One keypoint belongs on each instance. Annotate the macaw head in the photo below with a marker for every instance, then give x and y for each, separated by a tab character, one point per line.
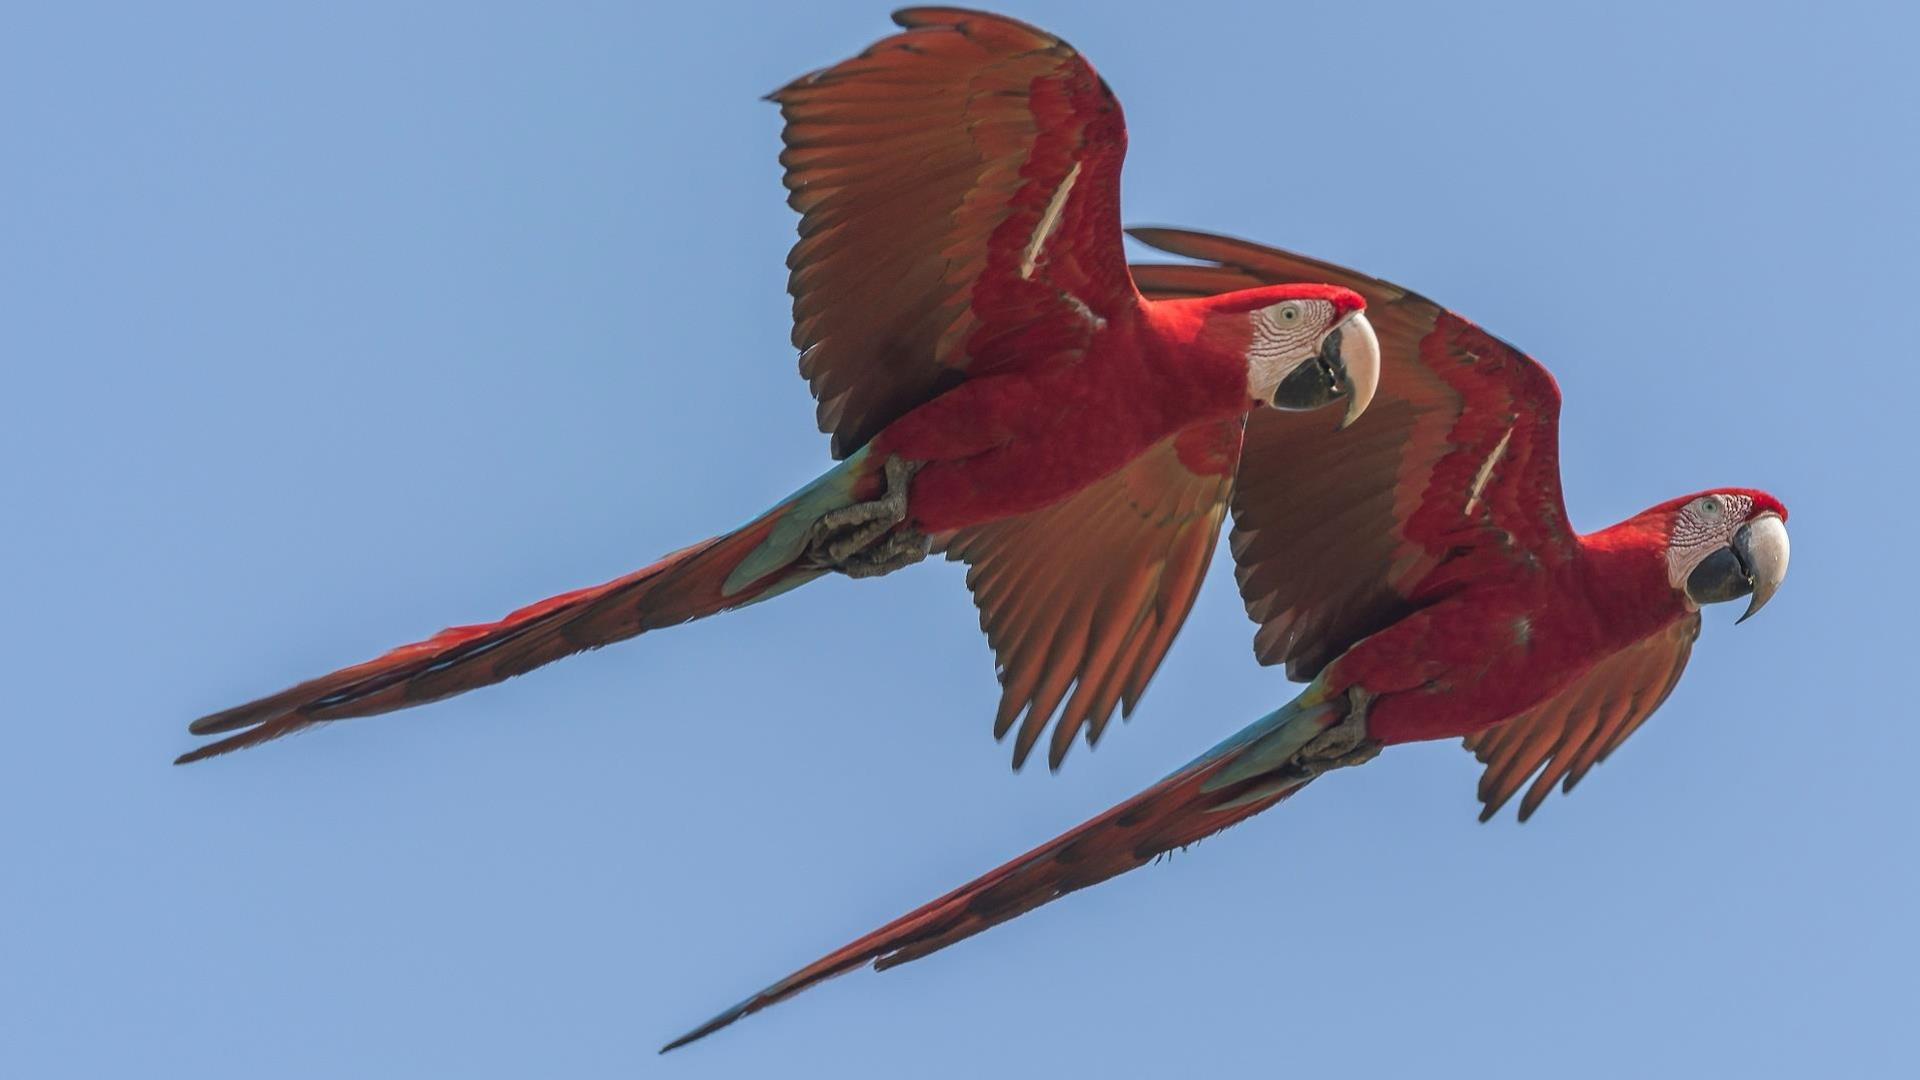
1309	345
1723	545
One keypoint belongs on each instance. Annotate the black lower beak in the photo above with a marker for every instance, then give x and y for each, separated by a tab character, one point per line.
1315	383
1727	574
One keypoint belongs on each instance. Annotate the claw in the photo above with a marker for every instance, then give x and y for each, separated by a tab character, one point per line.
1345	743
863	540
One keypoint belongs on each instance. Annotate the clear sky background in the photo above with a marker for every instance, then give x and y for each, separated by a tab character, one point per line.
325	328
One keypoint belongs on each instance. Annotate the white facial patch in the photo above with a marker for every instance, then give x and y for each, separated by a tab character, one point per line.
1285	335
1703	526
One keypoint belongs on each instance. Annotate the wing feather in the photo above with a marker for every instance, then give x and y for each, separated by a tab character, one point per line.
1081	600
1558	741
1336	537
924	169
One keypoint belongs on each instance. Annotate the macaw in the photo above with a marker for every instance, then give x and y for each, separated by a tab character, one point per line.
996	388
1421	575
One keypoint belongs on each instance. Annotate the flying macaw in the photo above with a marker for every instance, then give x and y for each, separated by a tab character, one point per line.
995	385
1422	574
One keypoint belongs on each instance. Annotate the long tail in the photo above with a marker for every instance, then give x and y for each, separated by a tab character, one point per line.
1230	783
752	563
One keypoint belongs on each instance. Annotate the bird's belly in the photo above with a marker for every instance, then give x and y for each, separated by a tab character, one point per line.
1470	699
1463	666
1020	477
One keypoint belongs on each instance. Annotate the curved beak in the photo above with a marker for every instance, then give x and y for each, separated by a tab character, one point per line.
1359	353
1762	545
1753	564
1347	365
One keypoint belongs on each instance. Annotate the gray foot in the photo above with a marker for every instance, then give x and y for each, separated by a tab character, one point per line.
863	540
901	547
1345	743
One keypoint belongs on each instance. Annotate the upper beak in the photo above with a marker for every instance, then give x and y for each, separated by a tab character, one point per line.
1359	361
1348	364
1761	545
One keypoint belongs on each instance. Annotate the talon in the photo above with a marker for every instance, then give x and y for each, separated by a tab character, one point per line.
863	540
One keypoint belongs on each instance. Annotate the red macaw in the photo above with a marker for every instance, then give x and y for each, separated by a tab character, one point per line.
1422	574
994	382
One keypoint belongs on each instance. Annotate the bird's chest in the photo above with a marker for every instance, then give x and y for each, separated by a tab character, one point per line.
1087	421
1020	440
1091	425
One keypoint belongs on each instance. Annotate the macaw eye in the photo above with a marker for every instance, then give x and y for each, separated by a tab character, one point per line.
1710	507
1289	313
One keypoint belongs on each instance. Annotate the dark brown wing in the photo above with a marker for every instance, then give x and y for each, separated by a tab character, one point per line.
959	188
1337	535
1576	729
1087	594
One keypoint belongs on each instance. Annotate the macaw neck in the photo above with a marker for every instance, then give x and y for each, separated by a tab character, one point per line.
1623	571
1198	356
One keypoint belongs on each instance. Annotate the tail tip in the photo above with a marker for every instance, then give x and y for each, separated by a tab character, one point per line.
723	1019
700	1032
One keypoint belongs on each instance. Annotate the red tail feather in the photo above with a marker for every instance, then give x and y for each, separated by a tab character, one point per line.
686	585
1235	781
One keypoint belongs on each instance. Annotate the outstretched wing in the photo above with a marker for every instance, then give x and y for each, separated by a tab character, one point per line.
1575	730
1086	595
1338	536
959	191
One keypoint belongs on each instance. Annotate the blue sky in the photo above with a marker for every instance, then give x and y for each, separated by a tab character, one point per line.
326	328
